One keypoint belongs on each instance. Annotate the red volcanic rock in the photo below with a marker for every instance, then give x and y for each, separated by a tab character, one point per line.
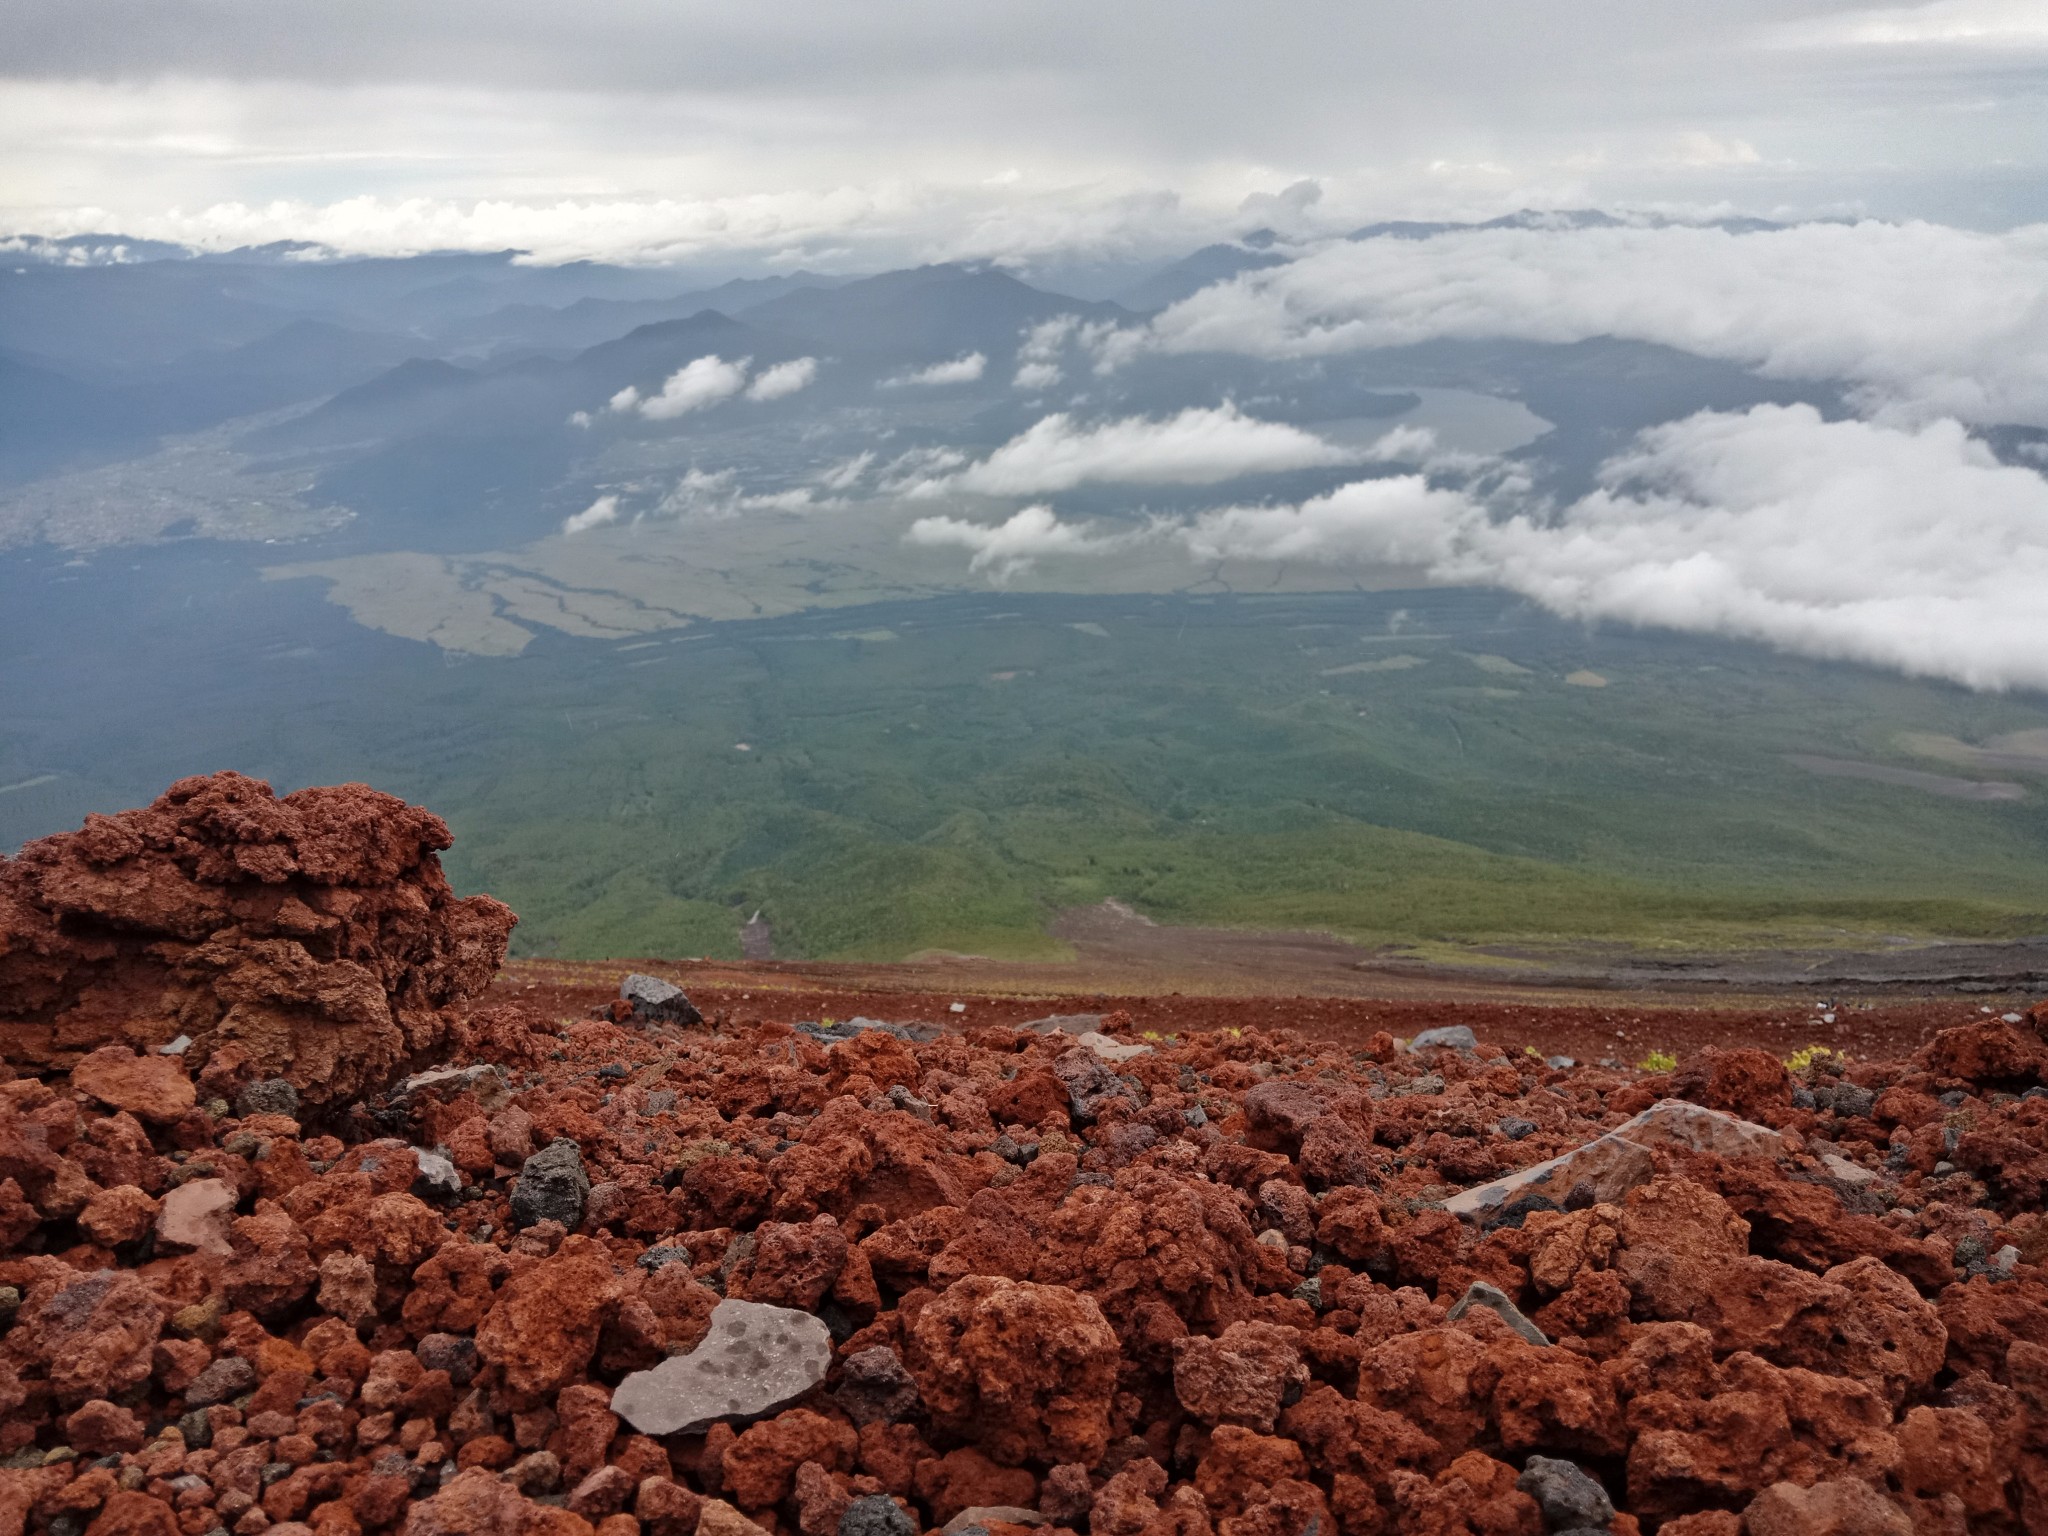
88	1336
1747	1082
1843	1507
1987	1052
1214	1302
152	1088
1242	1377
1025	1371
476	1503
542	1328
311	938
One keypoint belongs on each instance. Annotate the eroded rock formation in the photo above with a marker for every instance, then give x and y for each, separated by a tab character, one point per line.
311	938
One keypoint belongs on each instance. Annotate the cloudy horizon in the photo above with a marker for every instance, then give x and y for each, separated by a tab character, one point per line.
915	132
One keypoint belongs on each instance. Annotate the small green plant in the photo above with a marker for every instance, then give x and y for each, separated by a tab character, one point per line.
1148	1034
1658	1061
1803	1058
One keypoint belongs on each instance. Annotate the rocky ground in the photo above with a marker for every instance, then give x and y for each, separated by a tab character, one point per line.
643	1273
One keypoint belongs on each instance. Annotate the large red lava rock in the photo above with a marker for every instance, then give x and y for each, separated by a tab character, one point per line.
311	938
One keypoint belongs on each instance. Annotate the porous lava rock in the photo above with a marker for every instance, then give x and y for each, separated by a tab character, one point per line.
1206	1284
1026	1371
311	937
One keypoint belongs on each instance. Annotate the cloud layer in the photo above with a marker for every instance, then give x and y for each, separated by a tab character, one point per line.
1911	548
960	370
1925	319
1195	447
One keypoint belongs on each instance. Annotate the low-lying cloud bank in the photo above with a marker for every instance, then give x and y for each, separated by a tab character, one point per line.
1923	319
1907	547
1194	447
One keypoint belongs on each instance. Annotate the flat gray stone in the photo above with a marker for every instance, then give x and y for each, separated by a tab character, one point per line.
1448	1037
1619	1161
658	1001
437	1178
876	1514
755	1359
1495	1300
552	1186
1064	1024
268	1096
485	1079
1569	1497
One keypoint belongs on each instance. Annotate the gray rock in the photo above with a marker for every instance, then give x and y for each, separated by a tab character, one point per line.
755	1359
552	1186
902	1098
1064	1024
847	1029
229	1376
177	1047
658	1002
978	1516
197	1428
1612	1165
660	1102
874	1388
1089	1082
1449	1037
449	1352
876	1514
1569	1497
437	1178
1853	1102
485	1079
1495	1300
1515	1127
1560	1063
268	1096
656	1258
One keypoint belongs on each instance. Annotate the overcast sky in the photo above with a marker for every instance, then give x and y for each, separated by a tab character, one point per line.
920	128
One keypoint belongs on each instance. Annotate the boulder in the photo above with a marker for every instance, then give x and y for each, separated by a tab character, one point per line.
755	1359
1619	1161
654	1001
311	938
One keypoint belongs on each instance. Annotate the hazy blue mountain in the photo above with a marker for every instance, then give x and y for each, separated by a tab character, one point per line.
589	321
922	314
1191	274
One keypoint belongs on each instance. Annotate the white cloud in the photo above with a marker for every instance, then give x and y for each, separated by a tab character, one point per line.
1969	22
783	379
1037	375
1400	520
919	465
847	473
698	383
624	400
601	511
1009	548
1196	447
1910	548
716	493
960	370
1927	320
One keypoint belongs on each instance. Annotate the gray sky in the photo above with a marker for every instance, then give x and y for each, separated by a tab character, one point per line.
911	128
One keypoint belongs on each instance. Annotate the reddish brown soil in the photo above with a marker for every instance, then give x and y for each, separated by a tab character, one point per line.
1587	1025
